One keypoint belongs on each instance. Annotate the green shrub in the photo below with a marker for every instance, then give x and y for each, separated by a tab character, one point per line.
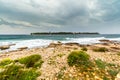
38	64
84	49
78	58
101	49
100	64
10	73
5	62
15	72
30	61
28	74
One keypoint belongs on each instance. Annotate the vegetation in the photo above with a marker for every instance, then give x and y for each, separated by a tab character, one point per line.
78	58
5	62
101	49
84	49
97	69
31	61
100	64
118	53
15	70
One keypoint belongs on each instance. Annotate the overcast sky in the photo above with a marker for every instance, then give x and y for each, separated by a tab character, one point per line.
26	16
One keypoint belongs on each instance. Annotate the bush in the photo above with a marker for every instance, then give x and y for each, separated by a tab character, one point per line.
31	61
101	49
10	73
84	49
78	58
15	72
28	74
5	62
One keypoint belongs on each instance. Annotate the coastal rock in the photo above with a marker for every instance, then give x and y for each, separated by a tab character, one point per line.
22	48
105	40
54	44
4	47
71	44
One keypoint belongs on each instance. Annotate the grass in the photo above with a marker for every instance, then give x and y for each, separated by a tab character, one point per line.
28	71
31	61
78	58
101	49
100	64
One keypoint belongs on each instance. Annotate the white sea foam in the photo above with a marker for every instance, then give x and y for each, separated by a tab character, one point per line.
27	43
84	40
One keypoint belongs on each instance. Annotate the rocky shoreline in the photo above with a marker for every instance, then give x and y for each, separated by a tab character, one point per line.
55	57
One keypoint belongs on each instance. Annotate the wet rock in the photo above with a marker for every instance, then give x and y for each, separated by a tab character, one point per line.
106	41
22	48
54	44
4	47
71	44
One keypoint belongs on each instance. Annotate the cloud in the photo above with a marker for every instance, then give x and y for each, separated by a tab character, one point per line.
60	15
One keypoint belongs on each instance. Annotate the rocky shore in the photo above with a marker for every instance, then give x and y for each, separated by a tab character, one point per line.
55	58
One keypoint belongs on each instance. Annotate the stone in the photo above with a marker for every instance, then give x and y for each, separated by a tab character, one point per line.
71	44
22	48
4	47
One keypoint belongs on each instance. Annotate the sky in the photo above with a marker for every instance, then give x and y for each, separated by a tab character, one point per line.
27	16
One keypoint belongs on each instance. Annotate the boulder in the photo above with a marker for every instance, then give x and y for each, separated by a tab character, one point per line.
4	47
54	44
71	44
105	40
22	48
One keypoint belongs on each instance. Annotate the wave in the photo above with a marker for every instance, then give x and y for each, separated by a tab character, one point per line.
27	43
84	40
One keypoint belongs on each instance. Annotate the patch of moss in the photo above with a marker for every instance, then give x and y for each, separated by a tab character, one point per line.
101	49
31	61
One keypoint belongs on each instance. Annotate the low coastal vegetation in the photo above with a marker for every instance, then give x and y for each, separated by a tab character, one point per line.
101	49
92	69
21	69
84	49
31	61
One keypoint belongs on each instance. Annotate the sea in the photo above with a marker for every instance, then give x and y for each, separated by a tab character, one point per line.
32	41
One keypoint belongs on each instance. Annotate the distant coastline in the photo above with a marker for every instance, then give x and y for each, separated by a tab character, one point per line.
62	33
